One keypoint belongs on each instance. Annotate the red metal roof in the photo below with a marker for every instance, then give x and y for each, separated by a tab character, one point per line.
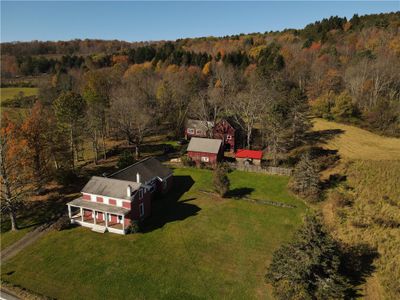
243	153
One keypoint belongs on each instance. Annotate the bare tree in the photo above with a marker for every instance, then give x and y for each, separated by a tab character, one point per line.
131	119
13	175
248	107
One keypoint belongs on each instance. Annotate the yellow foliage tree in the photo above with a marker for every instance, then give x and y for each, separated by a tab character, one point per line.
207	69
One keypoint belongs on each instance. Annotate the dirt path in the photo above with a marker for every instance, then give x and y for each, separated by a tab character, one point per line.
28	239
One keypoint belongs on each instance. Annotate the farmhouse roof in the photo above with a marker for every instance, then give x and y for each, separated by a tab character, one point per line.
147	168
243	153
79	202
199	124
109	187
204	145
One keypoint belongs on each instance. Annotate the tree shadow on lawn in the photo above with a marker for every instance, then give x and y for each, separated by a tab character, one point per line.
239	192
36	213
169	207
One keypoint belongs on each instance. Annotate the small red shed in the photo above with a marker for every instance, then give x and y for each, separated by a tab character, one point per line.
207	151
249	156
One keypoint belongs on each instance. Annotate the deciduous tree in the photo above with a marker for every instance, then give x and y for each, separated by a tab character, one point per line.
13	173
34	132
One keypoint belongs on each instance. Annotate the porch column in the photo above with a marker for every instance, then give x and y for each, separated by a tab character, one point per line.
69	212
106	218
94	217
81	213
123	222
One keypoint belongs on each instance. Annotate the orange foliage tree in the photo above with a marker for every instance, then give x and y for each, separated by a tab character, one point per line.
12	171
34	133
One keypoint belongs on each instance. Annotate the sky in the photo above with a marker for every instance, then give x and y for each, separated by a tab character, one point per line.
165	20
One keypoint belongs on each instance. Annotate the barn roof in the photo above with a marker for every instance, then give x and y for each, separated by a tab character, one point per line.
109	187
244	153
204	145
199	124
147	168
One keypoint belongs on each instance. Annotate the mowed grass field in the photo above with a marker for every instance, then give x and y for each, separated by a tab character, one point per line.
11	92
195	245
357	143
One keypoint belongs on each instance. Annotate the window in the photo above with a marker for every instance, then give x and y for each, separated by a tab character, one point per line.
190	130
140	193
119	219
199	131
228	137
204	159
141	209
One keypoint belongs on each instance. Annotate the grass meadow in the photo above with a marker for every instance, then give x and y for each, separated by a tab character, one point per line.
357	143
195	245
371	166
11	92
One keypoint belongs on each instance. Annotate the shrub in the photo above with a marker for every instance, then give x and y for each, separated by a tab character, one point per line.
125	159
321	107
202	165
186	161
62	223
343	108
134	227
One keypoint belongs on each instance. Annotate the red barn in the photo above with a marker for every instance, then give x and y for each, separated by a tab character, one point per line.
111	204
207	151
224	131
249	156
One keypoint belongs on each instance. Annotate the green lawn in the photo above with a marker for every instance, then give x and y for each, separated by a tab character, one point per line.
10	237
194	246
10	92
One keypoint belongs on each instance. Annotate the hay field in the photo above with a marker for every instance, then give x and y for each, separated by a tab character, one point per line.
357	143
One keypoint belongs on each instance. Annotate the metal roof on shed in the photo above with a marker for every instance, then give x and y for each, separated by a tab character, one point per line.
204	145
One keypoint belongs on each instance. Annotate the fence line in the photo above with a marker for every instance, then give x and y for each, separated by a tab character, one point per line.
259	169
251	168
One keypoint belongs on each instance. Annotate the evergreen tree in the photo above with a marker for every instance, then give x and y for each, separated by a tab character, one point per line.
221	180
70	110
305	180
309	266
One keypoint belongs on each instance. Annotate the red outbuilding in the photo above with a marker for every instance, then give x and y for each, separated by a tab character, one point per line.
206	151
249	156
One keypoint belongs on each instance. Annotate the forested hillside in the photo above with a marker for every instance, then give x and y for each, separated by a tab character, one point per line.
346	68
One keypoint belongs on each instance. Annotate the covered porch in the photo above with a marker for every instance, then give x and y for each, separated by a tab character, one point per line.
98	216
